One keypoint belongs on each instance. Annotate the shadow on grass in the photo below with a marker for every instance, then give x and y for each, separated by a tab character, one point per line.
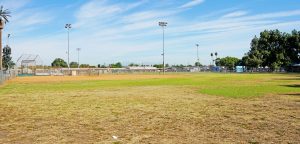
287	79
293	85
294	94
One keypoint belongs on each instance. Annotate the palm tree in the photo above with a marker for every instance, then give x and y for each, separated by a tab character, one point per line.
216	54
4	14
212	59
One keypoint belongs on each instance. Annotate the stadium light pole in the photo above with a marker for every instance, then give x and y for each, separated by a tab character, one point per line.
78	49
197	45
68	27
8	36
163	25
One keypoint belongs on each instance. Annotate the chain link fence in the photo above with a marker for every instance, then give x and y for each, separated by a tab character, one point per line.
7	74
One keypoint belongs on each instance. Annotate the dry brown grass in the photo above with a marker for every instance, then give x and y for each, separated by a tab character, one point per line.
145	114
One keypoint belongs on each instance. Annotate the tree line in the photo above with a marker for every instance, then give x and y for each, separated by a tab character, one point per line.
272	49
60	63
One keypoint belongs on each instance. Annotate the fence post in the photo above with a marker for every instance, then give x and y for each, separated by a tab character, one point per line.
1	77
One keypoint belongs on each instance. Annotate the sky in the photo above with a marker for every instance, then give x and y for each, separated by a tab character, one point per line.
127	31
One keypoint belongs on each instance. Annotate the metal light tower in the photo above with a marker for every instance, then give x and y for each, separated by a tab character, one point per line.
78	49
163	25
68	27
8	36
197	45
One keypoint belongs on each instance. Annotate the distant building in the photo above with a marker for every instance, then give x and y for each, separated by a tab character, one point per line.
240	69
142	68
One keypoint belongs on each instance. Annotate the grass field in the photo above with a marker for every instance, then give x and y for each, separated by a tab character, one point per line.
150	108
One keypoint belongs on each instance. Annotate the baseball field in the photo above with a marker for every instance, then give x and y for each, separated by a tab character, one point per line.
151	108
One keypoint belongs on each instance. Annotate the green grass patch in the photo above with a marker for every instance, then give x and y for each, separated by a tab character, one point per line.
228	85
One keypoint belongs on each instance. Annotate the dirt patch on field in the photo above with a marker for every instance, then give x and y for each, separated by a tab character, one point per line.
147	114
42	79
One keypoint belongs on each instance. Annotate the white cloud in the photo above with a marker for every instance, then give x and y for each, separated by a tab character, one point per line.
97	9
102	11
230	23
235	14
27	20
179	33
33	19
14	5
272	15
148	15
111	32
136	4
192	3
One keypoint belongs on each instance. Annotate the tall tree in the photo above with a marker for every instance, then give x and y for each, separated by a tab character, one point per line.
229	62
293	48
197	64
216	54
58	62
158	65
272	43
253	58
73	64
217	61
84	66
116	65
7	62
4	14
274	49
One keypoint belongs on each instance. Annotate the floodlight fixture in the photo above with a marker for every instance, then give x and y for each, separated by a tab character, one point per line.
162	23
